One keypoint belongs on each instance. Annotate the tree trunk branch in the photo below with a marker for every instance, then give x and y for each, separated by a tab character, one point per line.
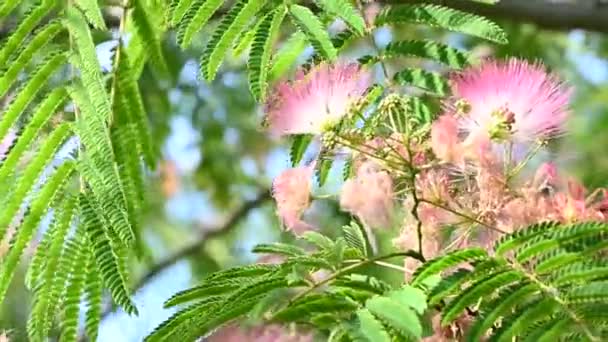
587	15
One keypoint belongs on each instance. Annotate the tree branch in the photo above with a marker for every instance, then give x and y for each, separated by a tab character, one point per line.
588	15
197	245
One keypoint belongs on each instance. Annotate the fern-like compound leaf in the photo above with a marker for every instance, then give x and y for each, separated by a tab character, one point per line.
193	19
25	27
92	12
266	34
431	82
308	23
443	17
225	34
287	55
344	10
24	234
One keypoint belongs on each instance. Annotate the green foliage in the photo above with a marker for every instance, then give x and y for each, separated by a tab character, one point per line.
144	24
313	28
299	145
287	55
513	299
58	96
425	49
264	38
92	12
227	31
191	20
326	303
443	17
425	80
344	10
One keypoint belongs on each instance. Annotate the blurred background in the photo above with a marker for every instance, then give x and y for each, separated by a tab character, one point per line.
208	201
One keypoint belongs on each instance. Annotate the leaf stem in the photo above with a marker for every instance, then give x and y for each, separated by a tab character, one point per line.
347	269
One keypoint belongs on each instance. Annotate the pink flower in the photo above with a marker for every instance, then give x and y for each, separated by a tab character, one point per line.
512	101
546	176
445	142
369	195
291	191
260	333
316	101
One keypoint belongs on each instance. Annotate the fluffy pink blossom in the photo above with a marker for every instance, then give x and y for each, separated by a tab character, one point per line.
513	101
262	333
445	142
369	195
291	191
316	101
546	176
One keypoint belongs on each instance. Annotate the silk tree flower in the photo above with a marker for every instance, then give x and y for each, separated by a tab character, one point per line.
512	101
261	333
445	142
369	195
291	191
316	101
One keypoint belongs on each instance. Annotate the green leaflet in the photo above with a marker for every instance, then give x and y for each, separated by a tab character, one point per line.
92	12
29	90
177	9
25	27
311	26
471	295
428	81
371	327
299	145
31	174
48	282
507	301
224	35
258	65
144	25
193	20
279	249
443	17
426	49
135	112
287	55
26	53
452	259
400	317
24	234
98	170
344	10
106	259
43	113
182	318
93	295
77	255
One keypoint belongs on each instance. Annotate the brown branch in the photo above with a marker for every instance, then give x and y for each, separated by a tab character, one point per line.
591	15
196	246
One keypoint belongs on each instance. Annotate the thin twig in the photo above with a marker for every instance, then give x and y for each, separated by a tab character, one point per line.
465	216
352	267
197	245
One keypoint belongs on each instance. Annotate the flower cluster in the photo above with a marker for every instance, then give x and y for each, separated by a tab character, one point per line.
466	179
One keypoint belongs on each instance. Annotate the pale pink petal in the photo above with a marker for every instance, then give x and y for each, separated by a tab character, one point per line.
291	191
512	101
546	176
445	142
369	195
316	101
